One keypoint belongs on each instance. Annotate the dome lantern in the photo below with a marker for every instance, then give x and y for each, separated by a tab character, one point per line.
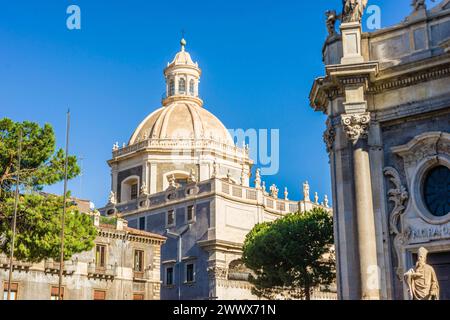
182	78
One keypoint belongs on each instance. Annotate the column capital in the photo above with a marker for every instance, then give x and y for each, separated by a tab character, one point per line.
356	125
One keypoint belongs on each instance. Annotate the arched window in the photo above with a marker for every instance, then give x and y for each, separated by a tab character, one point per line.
182	86
129	189
192	87
171	87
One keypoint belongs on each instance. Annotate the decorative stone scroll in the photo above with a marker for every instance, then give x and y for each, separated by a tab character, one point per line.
356	125
329	136
399	196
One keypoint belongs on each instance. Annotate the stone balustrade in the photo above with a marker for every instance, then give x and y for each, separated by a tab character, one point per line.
213	186
182	144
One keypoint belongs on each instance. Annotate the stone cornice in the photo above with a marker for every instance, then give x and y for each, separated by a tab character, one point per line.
221	245
428	144
412	109
122	235
398	81
325	88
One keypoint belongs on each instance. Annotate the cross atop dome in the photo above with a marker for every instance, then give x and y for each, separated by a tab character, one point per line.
182	78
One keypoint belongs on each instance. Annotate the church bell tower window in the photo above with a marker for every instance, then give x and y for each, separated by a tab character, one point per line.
192	87
171	87
182	86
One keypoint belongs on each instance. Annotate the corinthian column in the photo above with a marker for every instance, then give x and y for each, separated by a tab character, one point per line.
356	127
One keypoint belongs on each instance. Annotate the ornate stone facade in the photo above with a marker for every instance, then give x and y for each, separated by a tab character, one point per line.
387	98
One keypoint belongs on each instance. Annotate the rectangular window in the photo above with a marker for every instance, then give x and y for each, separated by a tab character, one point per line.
100	256
190	214
14	291
54	293
134	191
169	276
190	274
142	223
170	218
139	261
99	295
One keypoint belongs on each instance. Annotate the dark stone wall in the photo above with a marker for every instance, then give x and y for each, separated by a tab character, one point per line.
156	223
122	175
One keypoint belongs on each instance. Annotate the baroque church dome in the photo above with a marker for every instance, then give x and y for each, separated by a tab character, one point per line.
182	120
178	143
182	115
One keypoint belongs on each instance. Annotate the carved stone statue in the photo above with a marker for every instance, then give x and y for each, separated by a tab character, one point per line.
326	202
421	280
258	179
353	10
316	198
264	187
144	189
306	191
229	176
192	177
112	198
331	22
286	194
172	181
419	5
244	175
274	191
215	169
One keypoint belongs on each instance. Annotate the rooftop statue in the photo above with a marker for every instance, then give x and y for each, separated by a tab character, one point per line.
112	198
353	10
332	17
419	4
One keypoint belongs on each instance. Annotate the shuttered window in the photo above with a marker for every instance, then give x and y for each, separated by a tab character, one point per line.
138	296
139	261
54	293
14	291
100	256
99	295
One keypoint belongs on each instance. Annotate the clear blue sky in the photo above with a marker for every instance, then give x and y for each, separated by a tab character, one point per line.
259	59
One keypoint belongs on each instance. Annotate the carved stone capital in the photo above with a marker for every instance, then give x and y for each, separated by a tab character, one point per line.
356	125
215	272
329	136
